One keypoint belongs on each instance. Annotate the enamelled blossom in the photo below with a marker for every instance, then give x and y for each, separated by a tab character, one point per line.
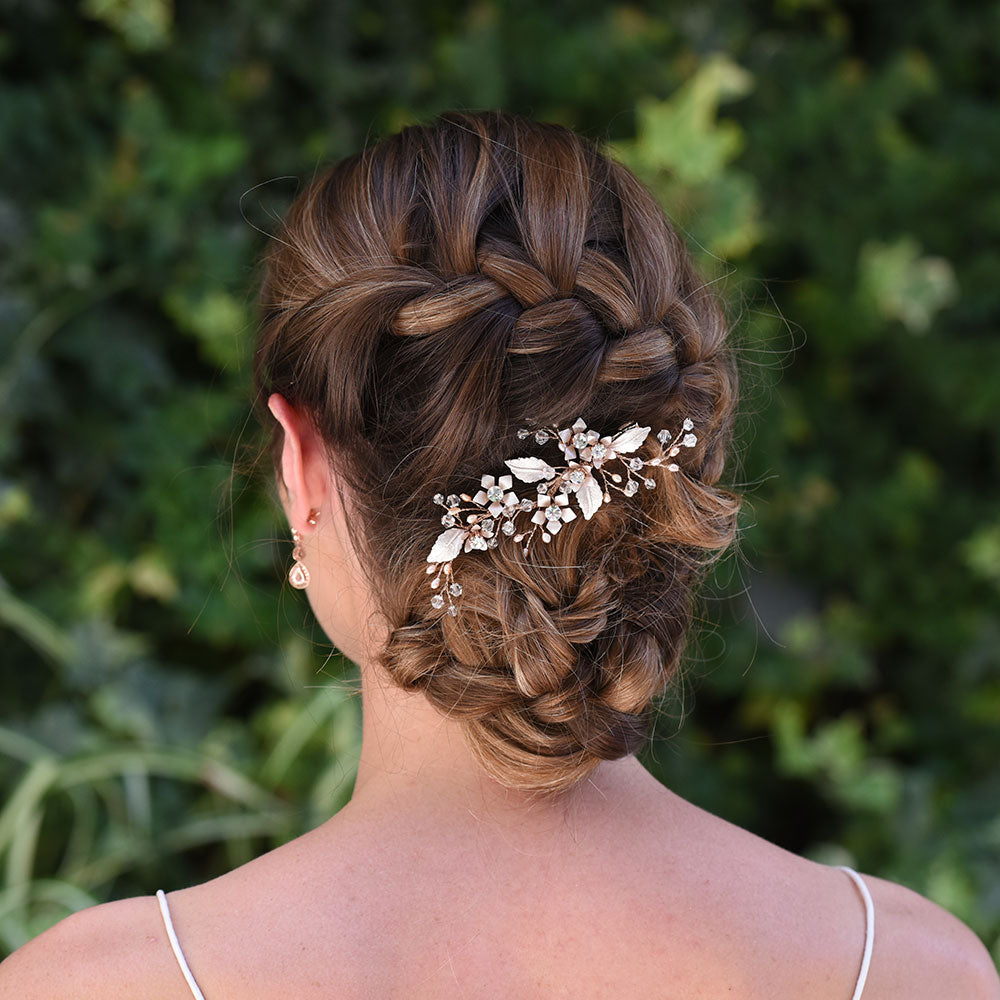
476	522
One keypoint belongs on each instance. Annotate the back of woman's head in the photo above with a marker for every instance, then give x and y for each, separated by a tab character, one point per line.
424	300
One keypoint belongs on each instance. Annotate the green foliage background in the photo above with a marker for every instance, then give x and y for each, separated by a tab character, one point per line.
169	708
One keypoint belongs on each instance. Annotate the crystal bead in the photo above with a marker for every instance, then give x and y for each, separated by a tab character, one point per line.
635	464
438	600
492	541
690	440
487	525
577	476
553	514
631	487
541	437
448	520
688	424
673	467
663	436
523	433
543	488
494	493
455	589
580	440
649	483
508	528
439	498
452	610
546	537
453	500
599	450
527	504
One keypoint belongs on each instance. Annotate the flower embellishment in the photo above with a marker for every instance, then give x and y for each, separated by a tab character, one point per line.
553	512
474	522
495	492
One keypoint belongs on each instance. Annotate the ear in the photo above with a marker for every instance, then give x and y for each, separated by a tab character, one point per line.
305	471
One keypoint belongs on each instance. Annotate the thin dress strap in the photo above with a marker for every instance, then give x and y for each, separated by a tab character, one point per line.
869	929
175	944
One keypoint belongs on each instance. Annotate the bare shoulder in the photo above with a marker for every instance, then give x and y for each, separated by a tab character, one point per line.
121	948
118	948
923	950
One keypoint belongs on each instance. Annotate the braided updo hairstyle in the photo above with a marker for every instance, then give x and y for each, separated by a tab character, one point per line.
423	300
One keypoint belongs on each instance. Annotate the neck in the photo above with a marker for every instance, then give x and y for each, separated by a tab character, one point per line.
414	757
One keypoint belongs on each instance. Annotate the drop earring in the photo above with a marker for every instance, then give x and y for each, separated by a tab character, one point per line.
298	575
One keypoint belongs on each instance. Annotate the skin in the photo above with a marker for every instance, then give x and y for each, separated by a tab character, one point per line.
435	881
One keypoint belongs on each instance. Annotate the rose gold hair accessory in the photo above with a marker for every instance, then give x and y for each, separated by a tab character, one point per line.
583	478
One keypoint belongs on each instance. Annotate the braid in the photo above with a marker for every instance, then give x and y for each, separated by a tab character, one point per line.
451	304
427	298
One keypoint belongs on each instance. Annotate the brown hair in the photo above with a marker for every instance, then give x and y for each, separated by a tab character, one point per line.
423	300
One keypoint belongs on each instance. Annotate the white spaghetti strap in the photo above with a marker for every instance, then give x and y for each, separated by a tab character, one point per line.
175	944
869	929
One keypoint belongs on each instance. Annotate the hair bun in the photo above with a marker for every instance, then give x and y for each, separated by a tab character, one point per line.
425	299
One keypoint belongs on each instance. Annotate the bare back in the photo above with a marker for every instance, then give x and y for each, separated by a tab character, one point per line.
683	905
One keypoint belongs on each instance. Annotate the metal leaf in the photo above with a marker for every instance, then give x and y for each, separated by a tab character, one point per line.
590	496
629	439
530	470
447	545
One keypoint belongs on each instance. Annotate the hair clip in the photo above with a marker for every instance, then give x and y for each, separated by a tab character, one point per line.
493	511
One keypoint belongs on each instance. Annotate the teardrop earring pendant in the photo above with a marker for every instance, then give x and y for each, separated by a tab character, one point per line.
298	575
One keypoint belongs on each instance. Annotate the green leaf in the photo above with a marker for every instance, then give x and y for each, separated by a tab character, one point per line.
904	284
143	24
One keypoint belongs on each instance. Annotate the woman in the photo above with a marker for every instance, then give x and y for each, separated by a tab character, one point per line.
500	400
